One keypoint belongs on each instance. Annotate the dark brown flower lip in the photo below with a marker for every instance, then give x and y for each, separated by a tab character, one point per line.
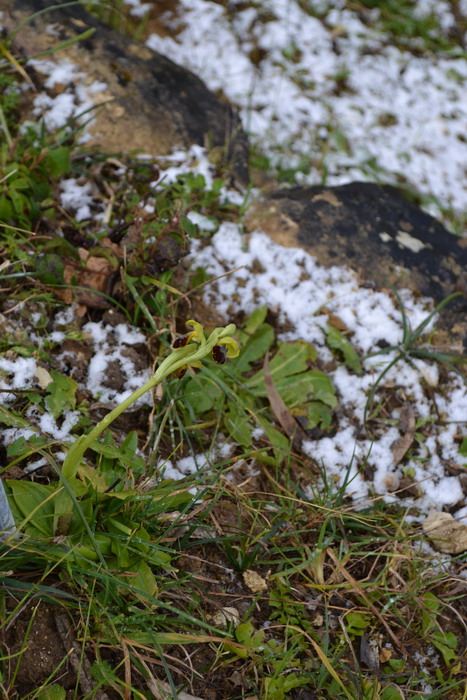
181	340
219	354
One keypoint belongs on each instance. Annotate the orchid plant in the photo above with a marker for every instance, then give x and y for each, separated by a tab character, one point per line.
188	351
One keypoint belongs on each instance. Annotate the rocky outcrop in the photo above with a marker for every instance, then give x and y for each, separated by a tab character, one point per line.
150	103
373	229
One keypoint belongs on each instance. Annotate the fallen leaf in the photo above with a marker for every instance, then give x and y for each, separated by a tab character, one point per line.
254	581
163	691
384	655
239	679
446	534
225	616
368	655
407	427
43	377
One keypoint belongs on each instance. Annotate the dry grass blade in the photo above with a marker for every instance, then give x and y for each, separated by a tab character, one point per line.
368	602
78	660
16	65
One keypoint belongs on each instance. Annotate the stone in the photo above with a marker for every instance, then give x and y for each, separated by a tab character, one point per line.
150	104
446	534
377	232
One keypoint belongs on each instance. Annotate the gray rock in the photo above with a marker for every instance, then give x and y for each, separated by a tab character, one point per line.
151	103
374	230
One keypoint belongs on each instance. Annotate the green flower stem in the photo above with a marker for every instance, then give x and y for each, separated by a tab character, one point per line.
186	356
169	365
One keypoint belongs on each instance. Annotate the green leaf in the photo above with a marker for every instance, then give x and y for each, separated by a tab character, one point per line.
397	665
277	688
254	348
356	623
292	358
29	500
20	202
62	394
279	442
102	672
20	183
238	425
21	446
57	161
143	579
298	389
446	643
318	414
337	340
12	420
202	392
49	269
248	636
391	693
431	601
253	322
312	385
6	209
54	692
463	448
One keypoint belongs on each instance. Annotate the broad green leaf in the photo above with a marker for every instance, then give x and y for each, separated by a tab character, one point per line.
238	424
20	202
431	601
448	640
130	443
53	692
279	442
141	577
21	446
57	161
463	448
202	393
29	500
93	478
318	414
6	209
312	385
278	688
104	673
12	420
356	623
290	359
337	340
62	394
391	693
298	389
20	183
254	349
253	322
247	635
49	269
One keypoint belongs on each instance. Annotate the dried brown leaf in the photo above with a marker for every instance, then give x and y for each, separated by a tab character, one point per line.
407	427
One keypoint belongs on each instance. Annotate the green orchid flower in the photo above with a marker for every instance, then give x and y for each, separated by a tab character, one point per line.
188	351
